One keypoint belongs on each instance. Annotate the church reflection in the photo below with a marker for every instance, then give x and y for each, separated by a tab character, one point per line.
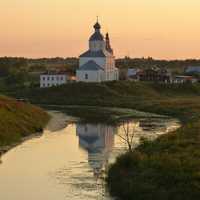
98	141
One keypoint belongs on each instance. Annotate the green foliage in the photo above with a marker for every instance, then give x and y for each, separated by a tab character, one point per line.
17	77
157	176
167	168
18	120
150	97
7	64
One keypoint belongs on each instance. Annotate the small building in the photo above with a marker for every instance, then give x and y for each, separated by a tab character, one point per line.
193	70
155	75
98	63
53	78
184	79
132	73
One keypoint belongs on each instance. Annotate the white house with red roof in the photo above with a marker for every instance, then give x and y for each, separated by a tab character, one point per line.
98	63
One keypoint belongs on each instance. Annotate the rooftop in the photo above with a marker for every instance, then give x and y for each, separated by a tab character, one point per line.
90	66
97	34
93	54
191	69
54	73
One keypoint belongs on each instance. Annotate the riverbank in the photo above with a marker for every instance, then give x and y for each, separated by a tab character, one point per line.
122	94
167	168
98	114
19	121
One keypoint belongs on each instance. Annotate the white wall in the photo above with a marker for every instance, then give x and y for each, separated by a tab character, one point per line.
93	76
112	75
97	76
110	72
49	80
110	63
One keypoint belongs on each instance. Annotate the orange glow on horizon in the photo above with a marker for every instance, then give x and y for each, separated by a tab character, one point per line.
138	28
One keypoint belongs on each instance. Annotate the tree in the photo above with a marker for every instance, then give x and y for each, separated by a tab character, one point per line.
17	77
128	133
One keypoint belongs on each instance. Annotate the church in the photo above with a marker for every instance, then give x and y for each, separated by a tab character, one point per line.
98	63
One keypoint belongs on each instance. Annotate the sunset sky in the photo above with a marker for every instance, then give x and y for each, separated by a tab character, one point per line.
166	29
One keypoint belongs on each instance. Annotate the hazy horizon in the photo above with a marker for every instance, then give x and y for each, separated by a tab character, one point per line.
138	28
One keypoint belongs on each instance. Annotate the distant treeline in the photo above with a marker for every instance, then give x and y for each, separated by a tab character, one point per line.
71	63
8	64
150	62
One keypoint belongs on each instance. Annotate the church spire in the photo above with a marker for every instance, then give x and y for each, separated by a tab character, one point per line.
97	26
108	46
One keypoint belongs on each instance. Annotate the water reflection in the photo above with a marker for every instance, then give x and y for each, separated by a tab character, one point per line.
103	142
68	160
152	125
98	141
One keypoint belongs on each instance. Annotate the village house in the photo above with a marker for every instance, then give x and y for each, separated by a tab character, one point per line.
155	74
98	63
193	70
132	73
184	79
53	78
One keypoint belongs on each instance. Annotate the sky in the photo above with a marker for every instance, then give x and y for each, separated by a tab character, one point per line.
164	29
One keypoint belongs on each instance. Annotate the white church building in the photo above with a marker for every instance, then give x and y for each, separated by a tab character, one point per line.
98	63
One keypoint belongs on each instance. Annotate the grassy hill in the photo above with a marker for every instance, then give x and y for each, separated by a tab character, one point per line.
18	120
91	93
125	94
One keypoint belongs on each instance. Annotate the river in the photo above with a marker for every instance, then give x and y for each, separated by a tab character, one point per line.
68	161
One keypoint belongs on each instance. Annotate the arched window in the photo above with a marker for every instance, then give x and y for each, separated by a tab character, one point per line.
86	76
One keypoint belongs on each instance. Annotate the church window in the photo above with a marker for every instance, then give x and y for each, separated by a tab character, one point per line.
86	76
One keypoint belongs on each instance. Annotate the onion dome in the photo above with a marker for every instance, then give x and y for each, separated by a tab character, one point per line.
97	36
97	26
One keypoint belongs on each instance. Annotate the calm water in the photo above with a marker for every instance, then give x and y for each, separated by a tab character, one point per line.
69	160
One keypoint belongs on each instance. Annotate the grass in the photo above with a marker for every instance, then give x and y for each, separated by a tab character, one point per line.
167	168
18	120
97	114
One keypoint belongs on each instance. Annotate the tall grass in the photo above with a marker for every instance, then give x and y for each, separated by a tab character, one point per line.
18	119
